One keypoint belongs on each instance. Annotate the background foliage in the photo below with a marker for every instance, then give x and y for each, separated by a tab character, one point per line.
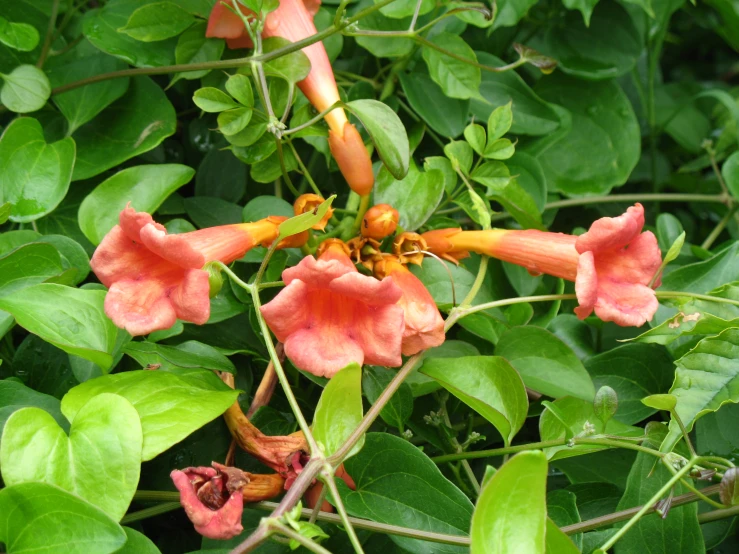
107	102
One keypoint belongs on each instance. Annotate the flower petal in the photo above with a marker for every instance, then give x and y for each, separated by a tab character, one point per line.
586	285
322	350
380	333
119	257
637	263
191	298
318	273
424	326
140	307
289	311
626	304
132	222
612	232
224	23
173	248
368	290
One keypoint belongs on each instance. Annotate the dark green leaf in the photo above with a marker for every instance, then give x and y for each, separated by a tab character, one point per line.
545	363
398	484
35	176
144	186
132	125
487	384
190	354
730	172
387	132
36	517
99	461
447	116
157	21
221	175
194	47
456	78
15	395
264	206
415	196
292	67
400	406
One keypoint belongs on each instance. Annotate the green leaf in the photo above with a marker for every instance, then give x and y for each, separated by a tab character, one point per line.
458	79
132	125
460	154
678	532
730	172
600	148
387	133
567	417
512	196
415	196
213	100
557	542
25	89
70	319
666	402
144	186
545	363
500	122
137	543
494	175
99	461
399	408
445	166
474	134
633	371
385	47
263	206
339	410
500	149
100	26
606	49
585	7
170	406
706	378
447	116
239	86
406	8
398	484
5	210
35	176
292	67
19	36
28	265
221	175
511	513
303	222
605	403
189	354
703	277
534	116
15	395
157	21
194	47
73	255
84	103
438	278
487	384
36	517
717	433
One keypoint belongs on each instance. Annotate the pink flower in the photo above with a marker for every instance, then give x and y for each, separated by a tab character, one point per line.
424	326
154	278
212	499
330	315
293	20
612	264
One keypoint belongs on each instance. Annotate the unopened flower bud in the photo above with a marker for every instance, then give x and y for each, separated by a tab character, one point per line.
605	404
309	203
215	279
352	158
409	247
380	221
336	245
729	488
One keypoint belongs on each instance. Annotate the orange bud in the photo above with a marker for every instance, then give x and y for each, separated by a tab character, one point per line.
363	250
353	159
380	221
331	247
409	248
308	203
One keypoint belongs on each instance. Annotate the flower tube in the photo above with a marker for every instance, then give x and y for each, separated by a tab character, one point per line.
330	315
612	264
154	278
293	20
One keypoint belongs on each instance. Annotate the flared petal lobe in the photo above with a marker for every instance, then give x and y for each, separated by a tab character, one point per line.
155	278
329	315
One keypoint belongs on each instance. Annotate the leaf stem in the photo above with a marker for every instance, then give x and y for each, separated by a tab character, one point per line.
708	298
151	512
717	230
49	34
328	479
311	545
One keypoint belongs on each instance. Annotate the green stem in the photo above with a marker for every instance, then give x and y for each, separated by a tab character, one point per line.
364	204
649	504
716	515
313	120
311	545
150	512
711	238
680	294
304	171
460	312
49	34
225	64
331	484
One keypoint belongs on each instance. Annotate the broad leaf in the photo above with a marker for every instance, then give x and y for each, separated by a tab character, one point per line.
14	395
99	461
144	186
487	384
447	116
194	47
189	354
25	89
70	319
458	79
730	172
170	406
339	410
511	513
399	484
137	543
387	132
19	36
545	363
292	67
157	21
132	125
35	176
415	196
36	517
28	265
399	408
